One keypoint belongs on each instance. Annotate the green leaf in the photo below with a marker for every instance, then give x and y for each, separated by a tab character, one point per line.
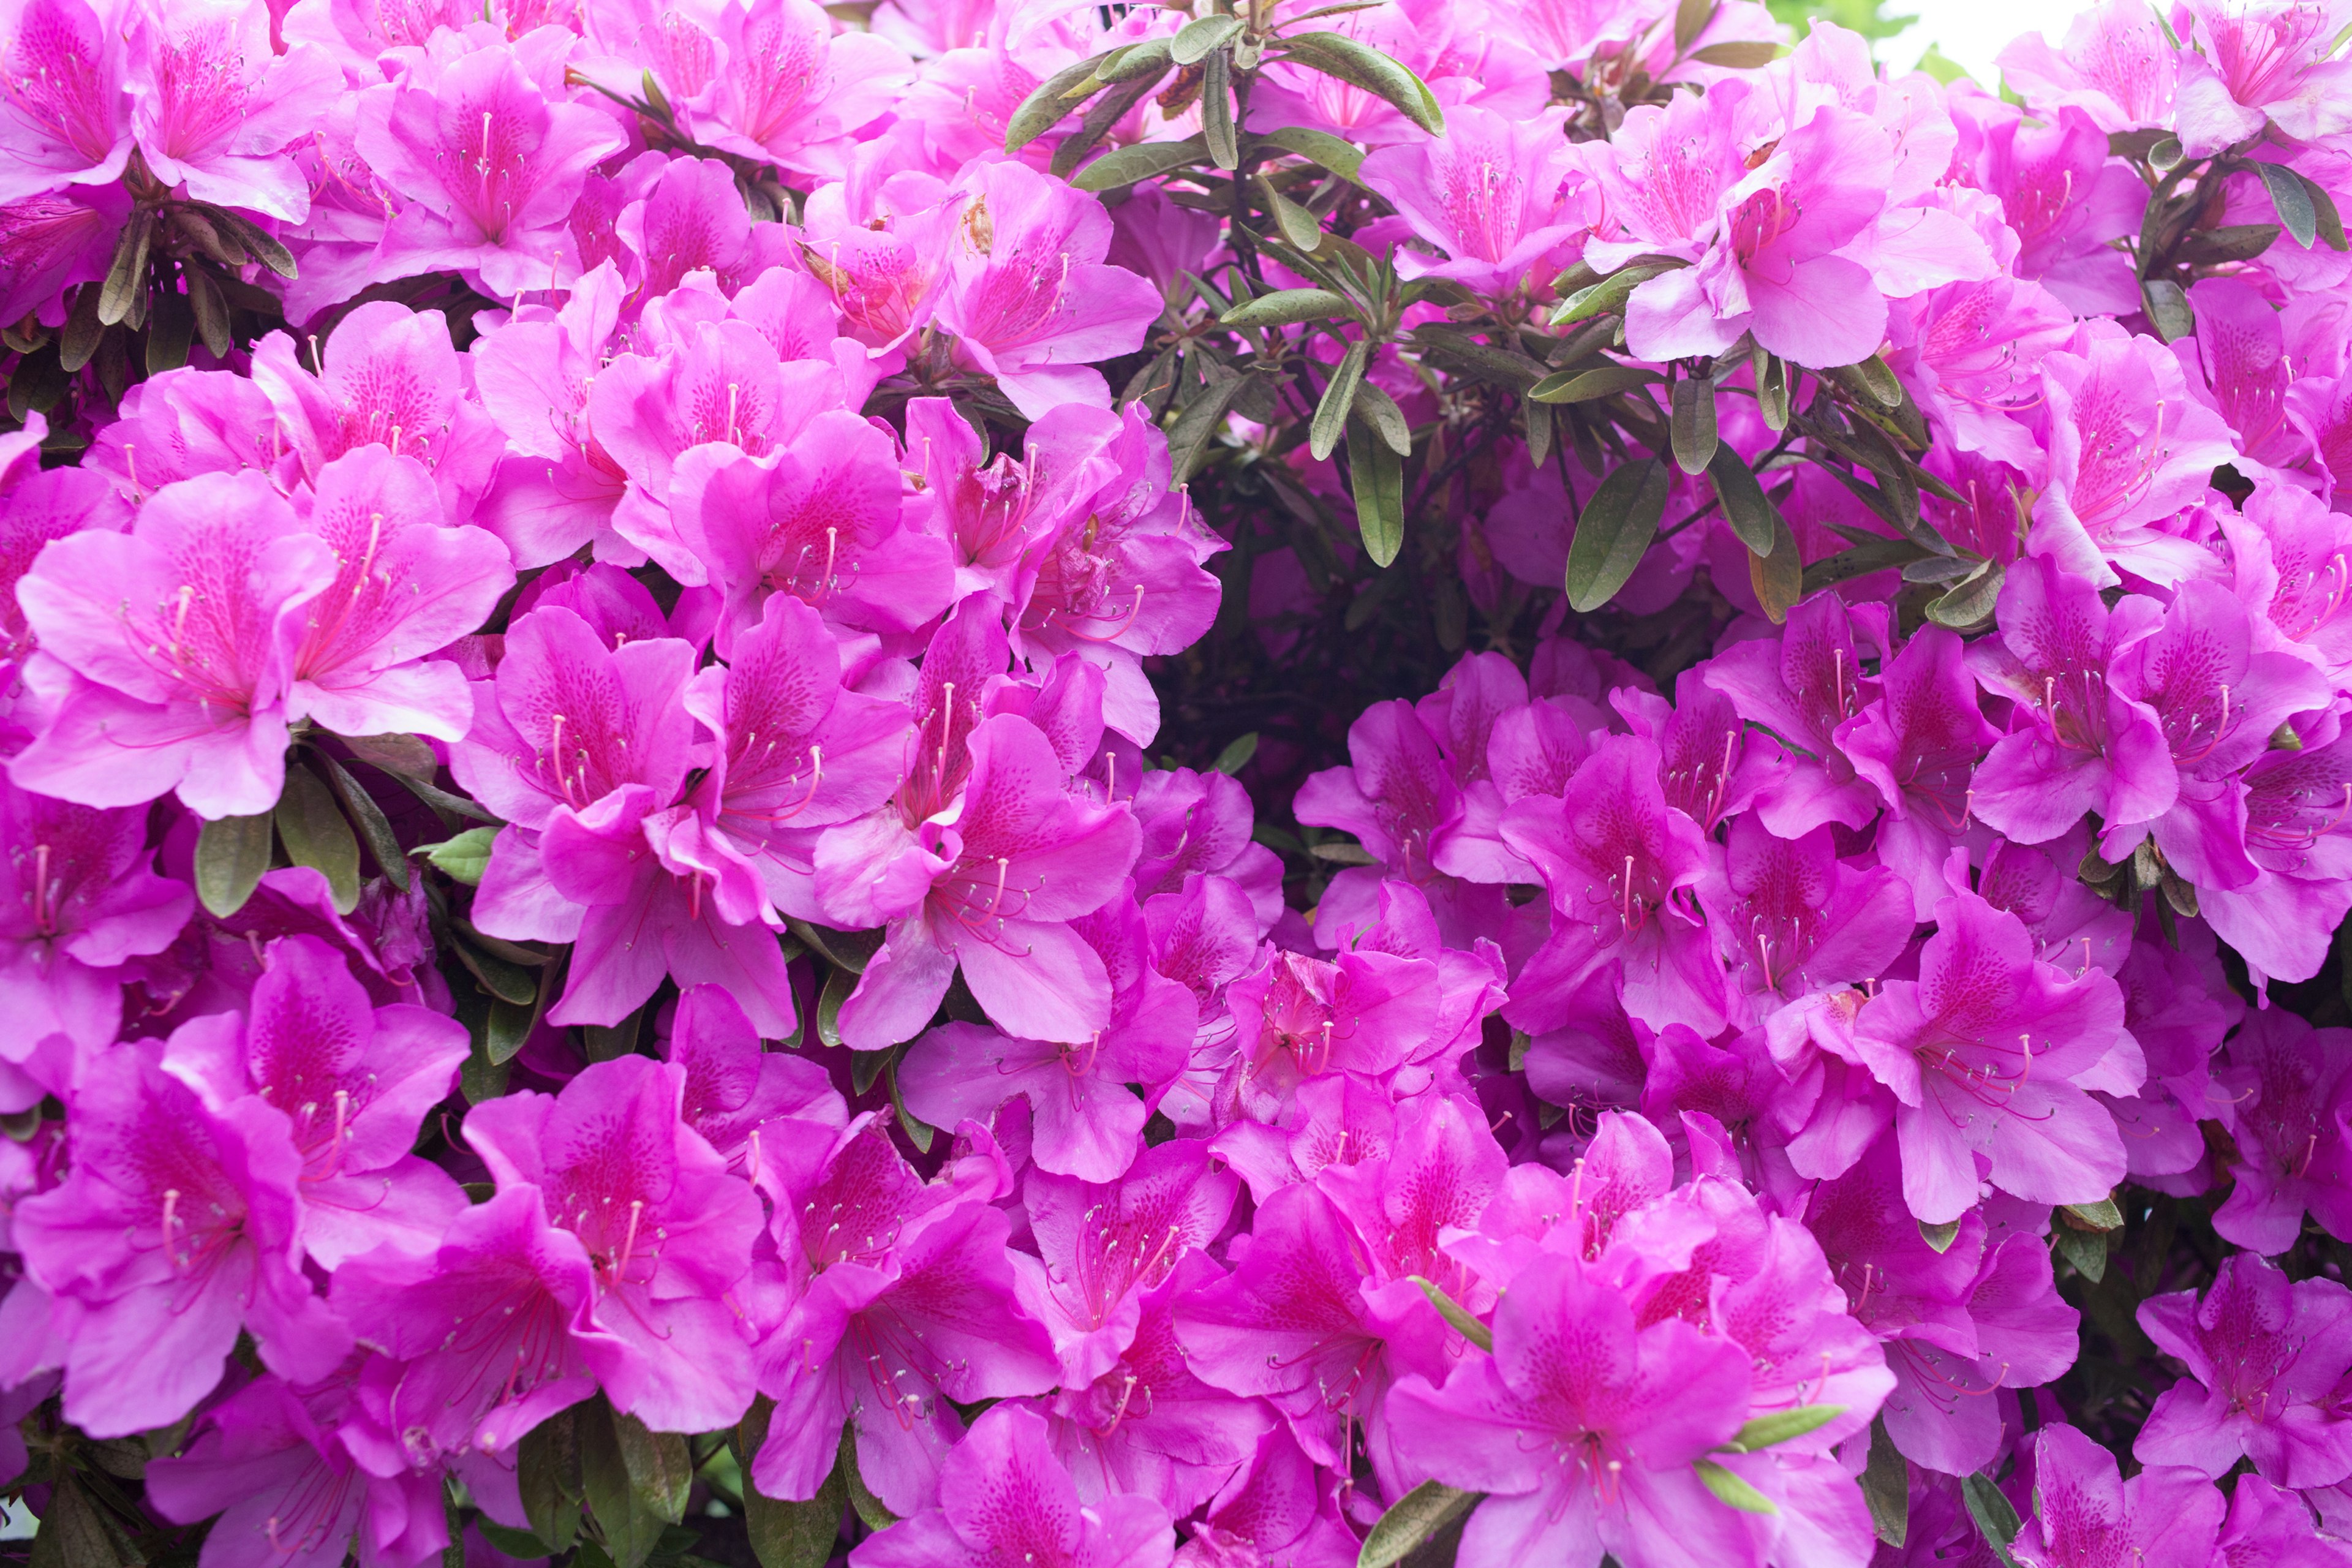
1774	388
1412	1519
507	982
1874	380
787	1534
838	984
1739	54
1319	147
1749	511
1237	756
1586	385
211	311
462	858
1453	1312
2331	221
919	1131
126	276
1996	1517
869	1508
630	1529
83	328
517	1543
1782	1425
1691	17
1694	423
1970	601
1887	1487
311	827
171	329
1100	120
2165	154
2085	1249
610	1042
1287	307
1361	65
2233	242
406	756
78	1531
1940	1236
1376	478
1379	410
2168	309
850	949
2288	195
1297	224
1323	435
661	1471
1777	576
1038	113
1203	417
1217	128
1616	528
1197	37
375	829
1608	294
232	852
2101	1216
1730	1490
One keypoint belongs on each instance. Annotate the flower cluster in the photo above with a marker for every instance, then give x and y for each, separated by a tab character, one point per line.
940	785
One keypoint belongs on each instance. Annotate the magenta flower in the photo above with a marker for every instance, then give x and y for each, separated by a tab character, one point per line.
491	159
2115	66
1501	198
405	588
793	86
1917	745
65	119
555	490
1003	1496
181	636
2084	1511
354	1080
214	108
2264	1357
2264	63
666	1231
2280	1086
2064	199
1789	919
733	1088
1003	869
1029	299
1992	1051
1803	689
178	1225
1582	1429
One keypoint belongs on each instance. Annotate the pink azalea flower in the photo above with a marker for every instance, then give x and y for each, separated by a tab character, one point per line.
214	108
66	118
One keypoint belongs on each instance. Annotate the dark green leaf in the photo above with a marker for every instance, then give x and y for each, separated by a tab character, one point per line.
1197	37
1379	410
1730	1490
170	330
79	342
1237	756
850	949
403	754
1782	1425
838	984
2331	221
1740	55
2293	201
1608	294
2234	242
1414	1517
211	311
1773	389
1887	1487
1585	386
1376	479
464	858
1217	128
1996	1517
374	827
661	1471
1330	421
788	1534
508	981
1105	113
547	1471
1498	367
1038	113
610	1042
1287	307
1940	1236
1203	416
1453	1312
919	1131
516	1544
1615	530
510	1027
1778	576
629	1528
1749	511
2101	1216
1970	602
126	277
2168	309
1694	423
1539	431
1691	17
311	827
2087	1250
869	1508
232	852
1343	158
78	1531
1361	65
1297	224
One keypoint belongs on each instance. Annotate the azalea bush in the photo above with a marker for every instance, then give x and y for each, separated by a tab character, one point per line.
1266	787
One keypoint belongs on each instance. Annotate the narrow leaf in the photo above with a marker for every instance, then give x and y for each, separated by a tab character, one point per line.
850	949
1887	1487
2295	212
1149	57
211	311
629	1530
1415	1517
1123	166
1453	1312
232	852
1995	1516
2168	309
869	1508
1740	55
1376	478
1778	576
1730	1490
374	827
2101	1216
126	277
1217	127
788	1534
1343	158
1189	438
1100	119
311	827
1197	37
1585	386
1297	225
1615	530
1379	410
1940	1236
172	329
263	245
461	859
661	1471
1694	423
1691	17
547	1472
1287	307
1608	294
1324	435
1782	1425
79	342
1237	756
1361	65
1970	602
1041	110
1772	390
403	754
1749	511
838	984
